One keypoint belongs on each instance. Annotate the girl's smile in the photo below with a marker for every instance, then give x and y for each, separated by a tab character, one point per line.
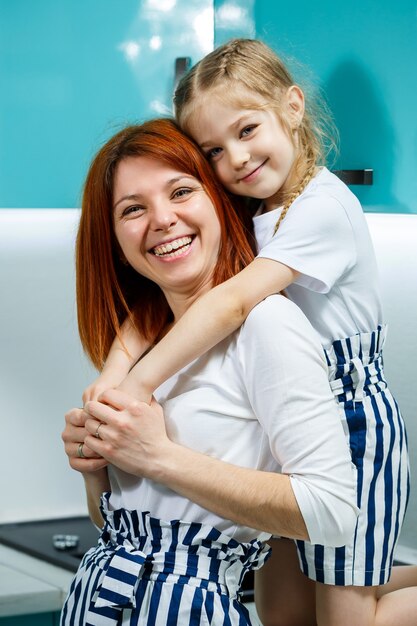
252	176
250	150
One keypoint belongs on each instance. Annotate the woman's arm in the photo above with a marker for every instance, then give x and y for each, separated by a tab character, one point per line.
282	366
123	354
214	316
133	437
95	484
92	466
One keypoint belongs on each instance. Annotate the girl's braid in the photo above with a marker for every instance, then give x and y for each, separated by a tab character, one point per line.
310	172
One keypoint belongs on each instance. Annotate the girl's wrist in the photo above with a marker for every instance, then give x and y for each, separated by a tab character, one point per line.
136	389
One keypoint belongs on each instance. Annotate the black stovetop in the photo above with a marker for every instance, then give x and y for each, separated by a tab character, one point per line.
37	539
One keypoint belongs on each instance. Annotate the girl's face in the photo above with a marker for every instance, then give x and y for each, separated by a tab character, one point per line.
166	226
250	151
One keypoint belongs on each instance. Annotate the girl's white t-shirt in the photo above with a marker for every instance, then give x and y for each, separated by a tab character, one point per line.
259	399
325	237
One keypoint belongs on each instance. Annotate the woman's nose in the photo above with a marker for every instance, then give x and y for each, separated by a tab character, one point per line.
163	218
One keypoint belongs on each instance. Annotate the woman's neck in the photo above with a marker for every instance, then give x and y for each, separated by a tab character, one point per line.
180	302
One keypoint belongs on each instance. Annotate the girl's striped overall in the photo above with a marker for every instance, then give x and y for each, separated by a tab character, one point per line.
378	442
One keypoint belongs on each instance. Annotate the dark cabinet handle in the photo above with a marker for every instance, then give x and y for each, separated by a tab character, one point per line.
356	177
182	65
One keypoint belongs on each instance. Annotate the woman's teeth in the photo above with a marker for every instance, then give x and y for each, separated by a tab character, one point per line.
173	248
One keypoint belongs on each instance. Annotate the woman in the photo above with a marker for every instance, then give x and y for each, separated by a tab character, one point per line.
250	443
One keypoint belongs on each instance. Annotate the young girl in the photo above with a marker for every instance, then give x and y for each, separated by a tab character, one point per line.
242	107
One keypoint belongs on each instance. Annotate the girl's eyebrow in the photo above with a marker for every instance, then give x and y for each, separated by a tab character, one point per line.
234	125
136	197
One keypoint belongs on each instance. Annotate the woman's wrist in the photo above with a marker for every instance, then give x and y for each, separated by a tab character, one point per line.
165	463
97	481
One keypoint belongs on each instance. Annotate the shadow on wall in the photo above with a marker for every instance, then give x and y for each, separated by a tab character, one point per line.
367	137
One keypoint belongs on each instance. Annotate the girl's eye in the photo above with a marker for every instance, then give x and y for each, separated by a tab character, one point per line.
247	130
213	153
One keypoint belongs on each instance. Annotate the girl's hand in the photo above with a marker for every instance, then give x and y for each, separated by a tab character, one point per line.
108	379
73	437
132	434
131	387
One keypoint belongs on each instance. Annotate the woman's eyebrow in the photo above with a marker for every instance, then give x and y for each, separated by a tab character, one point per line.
137	196
134	197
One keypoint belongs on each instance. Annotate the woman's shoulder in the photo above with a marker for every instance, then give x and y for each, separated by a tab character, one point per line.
278	312
278	332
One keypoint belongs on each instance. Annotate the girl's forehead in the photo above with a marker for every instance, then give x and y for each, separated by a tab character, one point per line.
233	102
234	94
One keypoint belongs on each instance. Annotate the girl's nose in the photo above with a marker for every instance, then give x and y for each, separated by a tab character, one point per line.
238	158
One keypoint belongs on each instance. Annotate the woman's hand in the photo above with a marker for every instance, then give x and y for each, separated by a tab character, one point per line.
73	437
131	434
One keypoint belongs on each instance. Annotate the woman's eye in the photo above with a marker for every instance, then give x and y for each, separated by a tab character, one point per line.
213	153
180	193
247	130
131	210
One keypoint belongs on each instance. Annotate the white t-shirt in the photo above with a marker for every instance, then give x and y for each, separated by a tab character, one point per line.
325	237
259	399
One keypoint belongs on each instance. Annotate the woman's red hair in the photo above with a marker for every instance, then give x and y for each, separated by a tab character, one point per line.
108	291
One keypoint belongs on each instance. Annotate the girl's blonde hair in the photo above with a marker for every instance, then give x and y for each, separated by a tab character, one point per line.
243	67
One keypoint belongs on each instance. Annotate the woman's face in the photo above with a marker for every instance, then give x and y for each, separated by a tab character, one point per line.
166	225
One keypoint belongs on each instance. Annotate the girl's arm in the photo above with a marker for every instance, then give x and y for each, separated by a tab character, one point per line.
214	316
122	355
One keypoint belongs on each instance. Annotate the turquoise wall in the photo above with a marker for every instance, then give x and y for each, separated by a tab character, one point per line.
72	72
364	56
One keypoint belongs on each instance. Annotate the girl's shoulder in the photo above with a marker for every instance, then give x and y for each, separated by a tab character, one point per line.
325	205
328	188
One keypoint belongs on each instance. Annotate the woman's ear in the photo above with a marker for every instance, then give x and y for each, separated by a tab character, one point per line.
296	106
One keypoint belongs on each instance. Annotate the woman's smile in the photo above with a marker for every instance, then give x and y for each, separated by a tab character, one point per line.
173	248
166	225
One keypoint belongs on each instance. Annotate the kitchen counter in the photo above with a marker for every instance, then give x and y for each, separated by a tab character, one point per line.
29	585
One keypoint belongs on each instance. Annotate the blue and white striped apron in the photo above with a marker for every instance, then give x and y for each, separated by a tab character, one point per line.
378	443
149	572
